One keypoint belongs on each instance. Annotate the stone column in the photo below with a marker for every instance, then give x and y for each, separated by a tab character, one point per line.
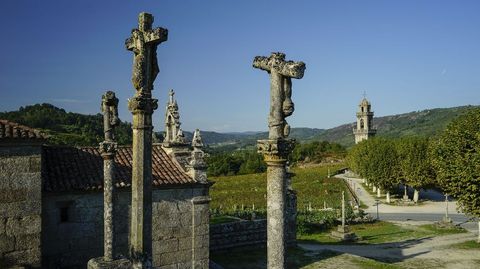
277	148
343	210
108	149
143	43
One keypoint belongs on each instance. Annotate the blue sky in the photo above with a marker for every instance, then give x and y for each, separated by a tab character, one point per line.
407	55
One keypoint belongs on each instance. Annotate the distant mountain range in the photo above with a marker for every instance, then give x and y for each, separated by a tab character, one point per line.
429	122
78	129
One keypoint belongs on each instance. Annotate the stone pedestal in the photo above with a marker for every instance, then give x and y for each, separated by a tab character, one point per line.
343	233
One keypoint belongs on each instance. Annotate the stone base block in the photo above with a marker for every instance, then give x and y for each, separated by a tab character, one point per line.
100	263
344	234
446	222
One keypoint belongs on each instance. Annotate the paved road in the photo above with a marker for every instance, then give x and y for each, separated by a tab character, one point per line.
427	211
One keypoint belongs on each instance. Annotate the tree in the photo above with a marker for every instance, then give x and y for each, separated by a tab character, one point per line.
376	160
383	169
415	165
456	159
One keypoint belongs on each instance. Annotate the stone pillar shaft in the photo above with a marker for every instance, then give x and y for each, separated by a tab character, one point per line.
108	202
343	210
276	192
141	208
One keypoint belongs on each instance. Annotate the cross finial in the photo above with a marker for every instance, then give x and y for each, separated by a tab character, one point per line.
171	93
364	94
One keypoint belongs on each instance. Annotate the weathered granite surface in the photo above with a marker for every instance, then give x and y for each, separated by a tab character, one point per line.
178	228
20	206
143	43
277	148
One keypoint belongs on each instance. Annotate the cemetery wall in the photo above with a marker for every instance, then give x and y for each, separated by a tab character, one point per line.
20	210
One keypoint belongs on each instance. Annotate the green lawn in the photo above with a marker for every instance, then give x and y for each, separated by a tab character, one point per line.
381	232
472	244
312	186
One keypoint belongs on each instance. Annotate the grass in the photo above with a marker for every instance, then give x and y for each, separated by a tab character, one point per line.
472	244
313	188
222	219
381	232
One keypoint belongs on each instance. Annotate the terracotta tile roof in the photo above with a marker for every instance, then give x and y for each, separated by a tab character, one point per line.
69	168
12	130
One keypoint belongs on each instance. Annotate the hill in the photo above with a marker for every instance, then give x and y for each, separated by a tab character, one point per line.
429	122
67	128
78	129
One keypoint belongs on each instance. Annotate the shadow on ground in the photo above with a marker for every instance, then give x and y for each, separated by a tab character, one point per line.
306	254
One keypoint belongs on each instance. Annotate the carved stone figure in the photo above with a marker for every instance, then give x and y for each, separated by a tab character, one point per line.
276	149
143	43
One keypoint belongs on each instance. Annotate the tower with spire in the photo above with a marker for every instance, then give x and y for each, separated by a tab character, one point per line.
364	127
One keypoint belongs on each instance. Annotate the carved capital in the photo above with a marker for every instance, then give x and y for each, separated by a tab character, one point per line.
140	104
275	150
108	149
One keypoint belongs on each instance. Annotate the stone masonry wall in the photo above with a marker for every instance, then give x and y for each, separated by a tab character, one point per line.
245	232
237	234
20	206
70	241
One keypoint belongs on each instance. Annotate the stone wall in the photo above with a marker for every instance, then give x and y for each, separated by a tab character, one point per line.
253	232
237	234
20	206
73	228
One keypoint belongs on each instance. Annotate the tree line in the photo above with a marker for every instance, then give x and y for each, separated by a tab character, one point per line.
228	161
67	128
450	161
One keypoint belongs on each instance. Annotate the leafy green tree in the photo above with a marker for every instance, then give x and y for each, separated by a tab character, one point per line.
376	160
456	159
415	164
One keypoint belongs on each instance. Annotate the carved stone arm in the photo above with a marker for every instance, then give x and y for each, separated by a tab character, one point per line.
292	69
157	35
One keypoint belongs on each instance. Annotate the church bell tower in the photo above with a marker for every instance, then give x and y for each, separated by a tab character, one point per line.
364	128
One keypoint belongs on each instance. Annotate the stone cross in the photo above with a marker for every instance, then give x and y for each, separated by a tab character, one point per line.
276	149
281	105
143	43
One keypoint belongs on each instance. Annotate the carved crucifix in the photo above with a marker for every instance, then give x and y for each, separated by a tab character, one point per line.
281	105
143	43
